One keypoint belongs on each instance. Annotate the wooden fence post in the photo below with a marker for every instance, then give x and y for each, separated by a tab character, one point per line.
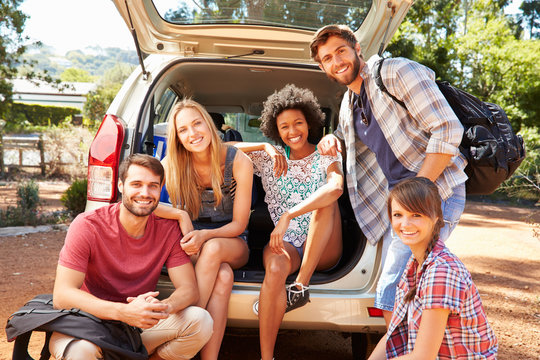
1	155
2	125
41	154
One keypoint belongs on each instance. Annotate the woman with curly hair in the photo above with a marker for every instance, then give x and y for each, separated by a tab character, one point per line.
209	184
438	313
302	188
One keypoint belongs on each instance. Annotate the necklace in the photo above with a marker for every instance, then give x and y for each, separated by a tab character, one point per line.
359	103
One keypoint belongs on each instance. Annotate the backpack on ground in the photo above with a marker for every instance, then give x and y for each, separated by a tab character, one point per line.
117	340
492	149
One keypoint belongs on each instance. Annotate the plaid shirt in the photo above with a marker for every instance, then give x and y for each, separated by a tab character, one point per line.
443	282
429	125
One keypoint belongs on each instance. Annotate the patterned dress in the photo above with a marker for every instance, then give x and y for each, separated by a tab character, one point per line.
303	178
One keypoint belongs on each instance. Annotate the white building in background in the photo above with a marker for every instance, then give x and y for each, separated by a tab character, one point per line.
42	93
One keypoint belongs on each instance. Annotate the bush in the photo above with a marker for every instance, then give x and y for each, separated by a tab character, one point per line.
525	183
66	150
26	212
21	116
74	198
28	196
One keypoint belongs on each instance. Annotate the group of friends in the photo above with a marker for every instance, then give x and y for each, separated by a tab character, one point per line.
406	185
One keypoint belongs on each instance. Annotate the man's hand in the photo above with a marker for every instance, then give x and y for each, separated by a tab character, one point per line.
144	311
280	162
329	145
191	243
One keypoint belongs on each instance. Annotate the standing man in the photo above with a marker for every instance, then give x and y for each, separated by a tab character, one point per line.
386	143
110	264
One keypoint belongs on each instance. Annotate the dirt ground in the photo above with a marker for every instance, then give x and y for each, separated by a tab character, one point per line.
499	244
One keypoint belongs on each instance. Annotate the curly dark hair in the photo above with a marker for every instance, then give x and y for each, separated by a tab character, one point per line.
292	97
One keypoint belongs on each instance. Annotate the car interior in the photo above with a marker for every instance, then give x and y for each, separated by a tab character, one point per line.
234	90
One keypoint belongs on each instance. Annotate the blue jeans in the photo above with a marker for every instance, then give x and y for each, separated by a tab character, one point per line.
395	254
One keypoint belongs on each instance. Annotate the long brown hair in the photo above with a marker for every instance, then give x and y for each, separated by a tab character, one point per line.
419	195
182	182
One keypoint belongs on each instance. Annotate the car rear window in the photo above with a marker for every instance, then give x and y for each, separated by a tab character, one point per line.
303	14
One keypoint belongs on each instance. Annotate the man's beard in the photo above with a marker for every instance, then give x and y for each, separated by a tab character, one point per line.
132	208
354	74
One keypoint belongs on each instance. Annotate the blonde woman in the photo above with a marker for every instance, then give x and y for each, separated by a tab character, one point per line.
209	184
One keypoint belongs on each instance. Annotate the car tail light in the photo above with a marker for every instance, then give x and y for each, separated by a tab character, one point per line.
374	312
103	160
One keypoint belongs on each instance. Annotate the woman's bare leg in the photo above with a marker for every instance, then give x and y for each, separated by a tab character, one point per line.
272	300
324	244
218	306
233	251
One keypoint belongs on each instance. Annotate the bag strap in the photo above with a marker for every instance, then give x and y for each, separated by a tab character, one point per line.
381	86
55	311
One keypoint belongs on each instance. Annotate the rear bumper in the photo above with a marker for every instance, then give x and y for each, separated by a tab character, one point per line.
337	310
344	311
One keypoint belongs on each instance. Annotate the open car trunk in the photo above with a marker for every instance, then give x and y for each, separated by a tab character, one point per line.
236	89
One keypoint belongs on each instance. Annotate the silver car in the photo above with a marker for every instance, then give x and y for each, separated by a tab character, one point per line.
230	59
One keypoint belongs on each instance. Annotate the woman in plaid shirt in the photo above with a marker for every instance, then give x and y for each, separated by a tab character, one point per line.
438	313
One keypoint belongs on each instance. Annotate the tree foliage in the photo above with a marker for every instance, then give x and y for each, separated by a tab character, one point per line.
99	100
12	46
474	45
76	75
530	17
30	116
306	14
427	35
500	68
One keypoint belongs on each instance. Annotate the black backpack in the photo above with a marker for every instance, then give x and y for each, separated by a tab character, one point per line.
492	149
117	340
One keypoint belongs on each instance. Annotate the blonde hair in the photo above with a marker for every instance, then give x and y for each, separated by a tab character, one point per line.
182	182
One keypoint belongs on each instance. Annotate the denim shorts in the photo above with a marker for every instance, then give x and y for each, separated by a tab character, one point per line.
395	254
203	225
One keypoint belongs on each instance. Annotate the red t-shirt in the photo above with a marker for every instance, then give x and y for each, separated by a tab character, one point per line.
117	265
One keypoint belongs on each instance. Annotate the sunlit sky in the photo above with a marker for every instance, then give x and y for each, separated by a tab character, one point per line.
76	24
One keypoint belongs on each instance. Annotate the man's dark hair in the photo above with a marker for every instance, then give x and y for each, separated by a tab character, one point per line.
291	97
323	34
146	161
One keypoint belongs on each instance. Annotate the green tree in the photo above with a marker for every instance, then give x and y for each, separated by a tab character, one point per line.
499	68
76	75
298	13
117	74
531	17
12	46
427	35
98	101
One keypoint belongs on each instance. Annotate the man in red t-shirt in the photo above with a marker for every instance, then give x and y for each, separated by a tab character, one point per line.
110	264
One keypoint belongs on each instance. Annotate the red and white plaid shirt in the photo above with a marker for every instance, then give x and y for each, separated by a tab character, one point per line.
443	282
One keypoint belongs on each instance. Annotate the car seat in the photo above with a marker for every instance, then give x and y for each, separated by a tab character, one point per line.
228	134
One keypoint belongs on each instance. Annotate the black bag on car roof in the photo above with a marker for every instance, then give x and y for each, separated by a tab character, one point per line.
492	149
